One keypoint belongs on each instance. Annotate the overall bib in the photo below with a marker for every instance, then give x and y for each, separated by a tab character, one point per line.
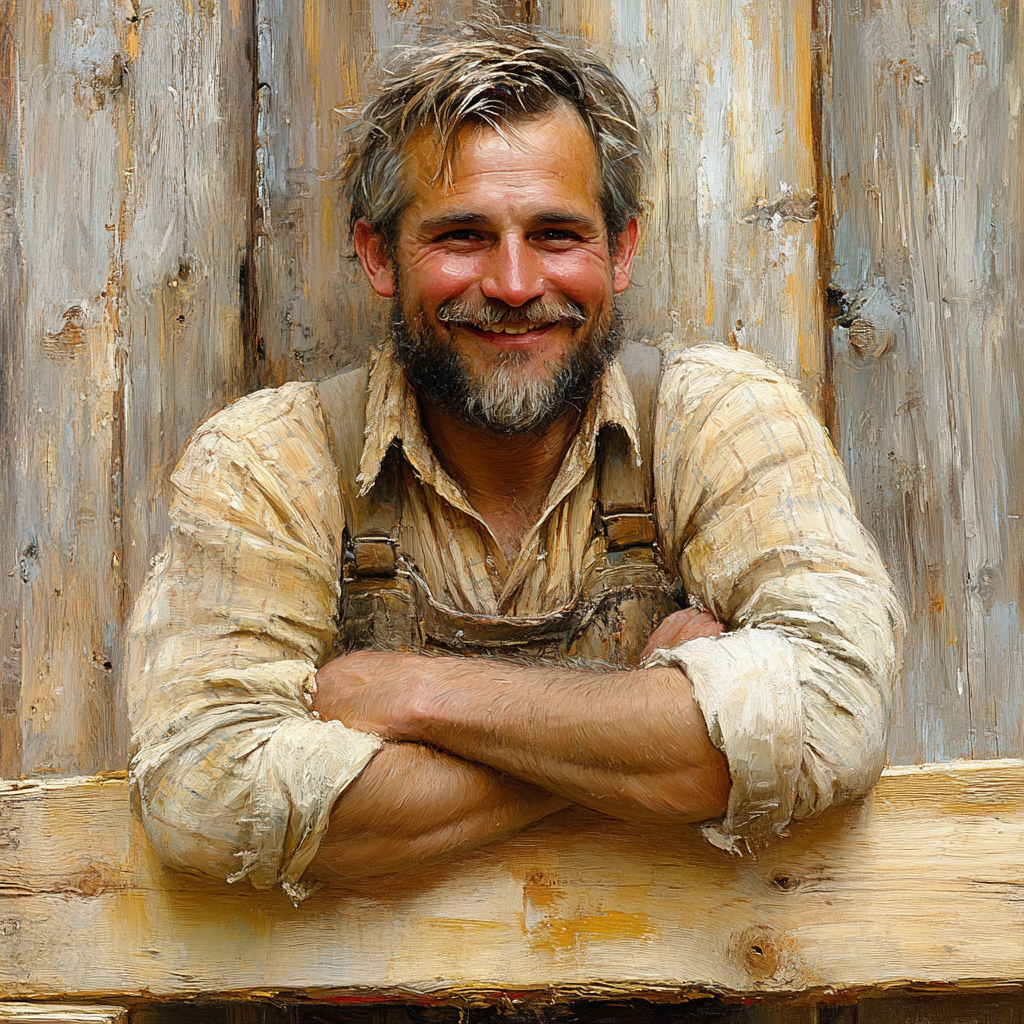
626	592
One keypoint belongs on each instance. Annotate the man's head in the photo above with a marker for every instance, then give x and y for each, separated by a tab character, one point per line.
495	197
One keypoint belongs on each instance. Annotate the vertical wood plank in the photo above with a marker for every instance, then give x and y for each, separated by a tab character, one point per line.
730	252
191	185
65	71
318	65
10	319
925	122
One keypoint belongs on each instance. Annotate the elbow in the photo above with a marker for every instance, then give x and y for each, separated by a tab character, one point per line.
185	832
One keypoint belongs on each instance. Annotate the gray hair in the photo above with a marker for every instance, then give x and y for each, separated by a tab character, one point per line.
499	77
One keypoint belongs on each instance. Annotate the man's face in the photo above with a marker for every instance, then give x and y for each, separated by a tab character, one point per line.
504	282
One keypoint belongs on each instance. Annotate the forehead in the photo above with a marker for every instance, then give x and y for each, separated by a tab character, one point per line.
547	160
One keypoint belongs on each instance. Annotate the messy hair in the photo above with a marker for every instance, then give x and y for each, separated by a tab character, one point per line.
497	77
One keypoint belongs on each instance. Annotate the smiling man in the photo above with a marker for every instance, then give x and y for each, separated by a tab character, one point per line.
423	604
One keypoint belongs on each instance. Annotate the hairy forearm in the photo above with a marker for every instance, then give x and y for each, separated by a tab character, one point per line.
412	804
631	744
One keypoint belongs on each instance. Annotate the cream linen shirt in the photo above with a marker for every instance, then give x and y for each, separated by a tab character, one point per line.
234	776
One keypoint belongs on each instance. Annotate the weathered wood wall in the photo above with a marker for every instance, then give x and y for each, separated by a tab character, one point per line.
172	236
126	192
925	134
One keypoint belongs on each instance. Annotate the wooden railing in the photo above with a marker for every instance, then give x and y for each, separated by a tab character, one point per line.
921	882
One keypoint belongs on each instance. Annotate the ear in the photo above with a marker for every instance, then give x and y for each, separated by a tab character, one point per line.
625	250
372	250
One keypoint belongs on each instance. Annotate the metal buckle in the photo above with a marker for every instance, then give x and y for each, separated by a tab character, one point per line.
375	556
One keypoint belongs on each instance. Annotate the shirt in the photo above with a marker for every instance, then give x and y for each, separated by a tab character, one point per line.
234	776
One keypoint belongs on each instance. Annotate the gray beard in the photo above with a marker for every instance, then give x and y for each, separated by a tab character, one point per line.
501	402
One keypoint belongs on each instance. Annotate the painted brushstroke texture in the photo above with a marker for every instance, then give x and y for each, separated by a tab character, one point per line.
919	882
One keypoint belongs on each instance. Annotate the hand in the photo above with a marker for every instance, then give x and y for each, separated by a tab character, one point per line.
371	690
677	628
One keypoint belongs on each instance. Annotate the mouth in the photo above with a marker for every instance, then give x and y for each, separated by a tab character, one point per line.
507	329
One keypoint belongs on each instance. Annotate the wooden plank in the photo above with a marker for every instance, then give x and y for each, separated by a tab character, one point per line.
61	1013
191	194
10	329
926	136
317	66
64	159
729	252
921	882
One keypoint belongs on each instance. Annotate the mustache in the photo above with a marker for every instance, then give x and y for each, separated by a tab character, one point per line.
493	313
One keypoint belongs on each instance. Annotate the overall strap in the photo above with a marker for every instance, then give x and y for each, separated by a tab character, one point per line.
373	520
625	490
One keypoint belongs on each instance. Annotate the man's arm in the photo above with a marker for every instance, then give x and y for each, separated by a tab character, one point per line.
631	744
759	519
232	773
413	804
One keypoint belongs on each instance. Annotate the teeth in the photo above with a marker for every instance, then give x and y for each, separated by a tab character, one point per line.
505	329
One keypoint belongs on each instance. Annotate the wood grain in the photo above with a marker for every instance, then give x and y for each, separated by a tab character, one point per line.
926	138
61	1013
186	252
919	883
64	81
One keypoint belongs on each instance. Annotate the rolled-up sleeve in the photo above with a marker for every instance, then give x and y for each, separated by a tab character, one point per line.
232	774
758	517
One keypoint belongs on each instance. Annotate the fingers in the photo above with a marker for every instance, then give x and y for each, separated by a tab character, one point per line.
677	628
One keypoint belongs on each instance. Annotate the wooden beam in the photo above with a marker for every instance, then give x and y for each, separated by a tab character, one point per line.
921	882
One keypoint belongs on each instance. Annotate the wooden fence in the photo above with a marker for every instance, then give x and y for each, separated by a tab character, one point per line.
837	189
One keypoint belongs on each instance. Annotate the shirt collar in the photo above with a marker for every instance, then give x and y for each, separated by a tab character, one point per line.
392	414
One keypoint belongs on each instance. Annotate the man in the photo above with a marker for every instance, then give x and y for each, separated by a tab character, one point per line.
424	604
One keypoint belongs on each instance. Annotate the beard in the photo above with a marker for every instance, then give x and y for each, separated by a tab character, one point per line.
503	401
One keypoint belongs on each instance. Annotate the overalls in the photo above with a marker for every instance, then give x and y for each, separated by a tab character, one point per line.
386	603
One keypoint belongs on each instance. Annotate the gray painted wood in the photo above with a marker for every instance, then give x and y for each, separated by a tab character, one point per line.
186	250
126	187
64	165
926	142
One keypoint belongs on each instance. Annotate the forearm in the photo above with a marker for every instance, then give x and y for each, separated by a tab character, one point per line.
412	805
631	744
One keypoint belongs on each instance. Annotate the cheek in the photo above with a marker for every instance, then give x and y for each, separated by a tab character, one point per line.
435	277
580	276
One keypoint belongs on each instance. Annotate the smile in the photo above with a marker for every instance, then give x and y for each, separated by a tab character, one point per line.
507	328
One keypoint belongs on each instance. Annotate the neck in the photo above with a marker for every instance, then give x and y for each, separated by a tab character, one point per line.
506	477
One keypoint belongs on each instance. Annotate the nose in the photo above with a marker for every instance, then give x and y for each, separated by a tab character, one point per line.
513	274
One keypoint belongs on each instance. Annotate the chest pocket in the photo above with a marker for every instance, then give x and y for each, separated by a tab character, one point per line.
625	593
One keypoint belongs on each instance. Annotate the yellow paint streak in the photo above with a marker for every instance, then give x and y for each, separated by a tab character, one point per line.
311	34
709	308
131	44
802	81
558	934
541	893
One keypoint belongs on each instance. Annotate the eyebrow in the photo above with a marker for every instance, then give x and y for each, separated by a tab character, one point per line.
468	217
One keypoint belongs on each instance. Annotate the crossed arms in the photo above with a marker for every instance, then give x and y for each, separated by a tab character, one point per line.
476	749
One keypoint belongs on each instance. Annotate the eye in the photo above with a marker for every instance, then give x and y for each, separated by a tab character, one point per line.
459	238
558	238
